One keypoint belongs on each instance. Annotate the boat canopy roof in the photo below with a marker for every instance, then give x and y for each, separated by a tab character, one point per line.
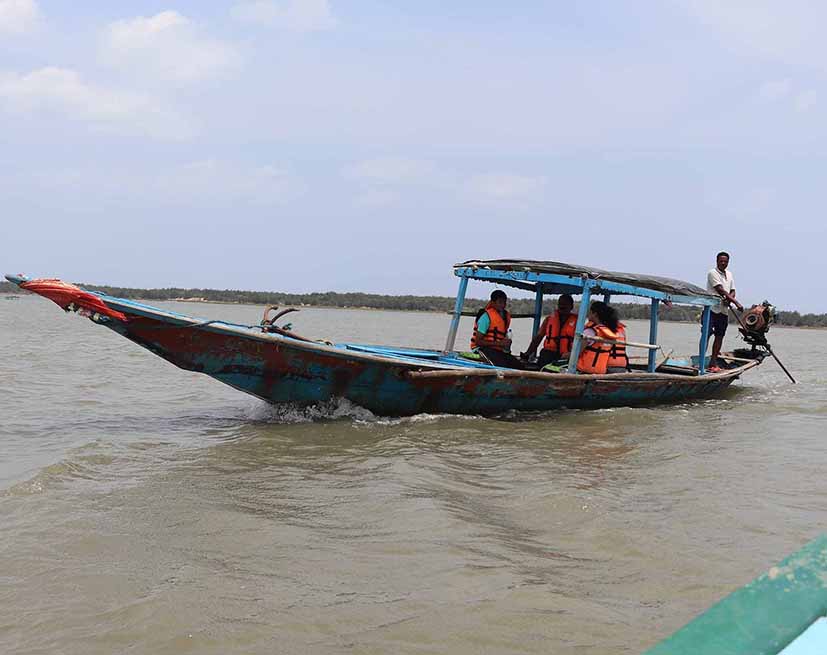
558	277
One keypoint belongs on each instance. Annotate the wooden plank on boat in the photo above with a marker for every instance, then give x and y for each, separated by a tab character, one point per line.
474	314
630	344
660	362
730	358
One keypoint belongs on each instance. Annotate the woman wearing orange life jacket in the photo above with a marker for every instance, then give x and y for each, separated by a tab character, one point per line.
556	333
594	356
491	332
618	359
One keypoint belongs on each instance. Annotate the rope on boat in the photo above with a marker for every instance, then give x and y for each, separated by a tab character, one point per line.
498	372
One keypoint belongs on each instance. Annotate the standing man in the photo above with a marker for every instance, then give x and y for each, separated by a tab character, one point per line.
719	280
492	332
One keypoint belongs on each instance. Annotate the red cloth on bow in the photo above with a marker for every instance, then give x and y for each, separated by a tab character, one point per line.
64	294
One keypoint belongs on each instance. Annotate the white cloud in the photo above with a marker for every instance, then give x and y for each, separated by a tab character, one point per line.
392	171
18	16
805	101
167	46
211	180
782	90
295	15
790	31
753	206
505	187
383	178
204	183
63	92
775	90
376	198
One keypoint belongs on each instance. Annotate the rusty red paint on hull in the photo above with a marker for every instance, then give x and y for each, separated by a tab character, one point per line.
276	364
279	368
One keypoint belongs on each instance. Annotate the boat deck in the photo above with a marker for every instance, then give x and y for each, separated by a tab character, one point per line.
416	355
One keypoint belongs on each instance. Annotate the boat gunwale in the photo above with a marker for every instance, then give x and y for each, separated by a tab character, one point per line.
628	377
435	369
236	329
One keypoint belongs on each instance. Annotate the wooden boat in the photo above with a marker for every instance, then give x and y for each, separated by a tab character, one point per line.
279	366
781	612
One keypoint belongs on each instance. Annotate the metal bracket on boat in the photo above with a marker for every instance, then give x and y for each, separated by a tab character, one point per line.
269	324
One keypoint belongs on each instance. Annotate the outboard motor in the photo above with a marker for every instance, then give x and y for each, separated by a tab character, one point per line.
755	323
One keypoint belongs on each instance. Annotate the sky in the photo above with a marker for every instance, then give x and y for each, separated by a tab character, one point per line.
367	145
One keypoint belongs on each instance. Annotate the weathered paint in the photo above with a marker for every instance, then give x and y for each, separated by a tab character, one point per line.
764	616
705	319
653	333
280	369
452	331
538	309
66	296
582	315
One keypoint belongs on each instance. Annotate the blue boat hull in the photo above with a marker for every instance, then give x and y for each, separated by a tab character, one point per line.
281	368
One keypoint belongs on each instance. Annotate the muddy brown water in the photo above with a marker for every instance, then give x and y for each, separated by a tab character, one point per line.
145	509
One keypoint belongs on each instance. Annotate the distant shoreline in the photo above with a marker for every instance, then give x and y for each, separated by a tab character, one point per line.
410	303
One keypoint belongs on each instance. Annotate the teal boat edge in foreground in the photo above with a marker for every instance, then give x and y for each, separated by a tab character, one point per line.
765	616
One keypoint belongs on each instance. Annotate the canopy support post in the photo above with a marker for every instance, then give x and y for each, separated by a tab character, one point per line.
653	333
707	315
582	314
452	331
538	309
607	297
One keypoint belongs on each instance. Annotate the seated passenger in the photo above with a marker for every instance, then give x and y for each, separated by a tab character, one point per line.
492	337
558	331
618	359
594	355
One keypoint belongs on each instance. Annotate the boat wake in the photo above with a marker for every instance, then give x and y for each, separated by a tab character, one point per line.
338	409
332	410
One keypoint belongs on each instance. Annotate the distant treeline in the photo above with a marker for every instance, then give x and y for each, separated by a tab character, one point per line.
406	303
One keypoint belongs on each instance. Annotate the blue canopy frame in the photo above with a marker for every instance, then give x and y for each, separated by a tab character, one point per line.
542	283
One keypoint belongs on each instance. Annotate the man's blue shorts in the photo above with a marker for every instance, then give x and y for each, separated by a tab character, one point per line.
718	323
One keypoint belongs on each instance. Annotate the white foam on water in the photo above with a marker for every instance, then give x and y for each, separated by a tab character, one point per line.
332	410
339	409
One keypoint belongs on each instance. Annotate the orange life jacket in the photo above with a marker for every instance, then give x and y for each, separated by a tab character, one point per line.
559	338
497	329
617	355
594	358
